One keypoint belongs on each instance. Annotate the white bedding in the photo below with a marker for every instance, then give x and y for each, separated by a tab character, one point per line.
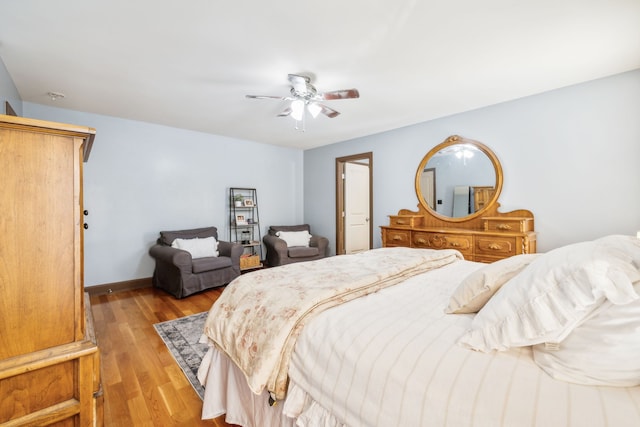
392	359
258	317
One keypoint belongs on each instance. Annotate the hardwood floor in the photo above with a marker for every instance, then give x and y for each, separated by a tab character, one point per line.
142	383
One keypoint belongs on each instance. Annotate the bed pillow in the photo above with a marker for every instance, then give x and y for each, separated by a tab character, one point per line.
478	287
603	350
197	247
295	238
619	243
552	295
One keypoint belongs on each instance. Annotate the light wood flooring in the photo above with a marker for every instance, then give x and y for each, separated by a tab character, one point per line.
142	383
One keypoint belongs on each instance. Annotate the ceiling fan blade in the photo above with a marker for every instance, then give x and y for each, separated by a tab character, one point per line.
282	98
329	112
286	112
340	94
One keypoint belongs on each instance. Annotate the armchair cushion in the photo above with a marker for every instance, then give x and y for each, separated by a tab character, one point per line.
198	247
167	237
295	238
200	265
302	252
275	228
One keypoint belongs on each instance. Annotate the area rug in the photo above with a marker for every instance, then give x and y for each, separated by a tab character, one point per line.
181	337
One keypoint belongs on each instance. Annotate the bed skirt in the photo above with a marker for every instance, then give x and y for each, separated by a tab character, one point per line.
227	392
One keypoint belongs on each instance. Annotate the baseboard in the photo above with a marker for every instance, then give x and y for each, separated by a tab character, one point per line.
127	285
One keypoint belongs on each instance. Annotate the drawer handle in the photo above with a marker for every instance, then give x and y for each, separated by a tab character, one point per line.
503	227
421	241
437	241
495	247
455	244
400	222
397	237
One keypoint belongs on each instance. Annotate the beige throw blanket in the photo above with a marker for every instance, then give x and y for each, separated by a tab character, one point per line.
259	315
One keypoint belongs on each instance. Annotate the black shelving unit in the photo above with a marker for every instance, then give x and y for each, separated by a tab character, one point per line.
244	225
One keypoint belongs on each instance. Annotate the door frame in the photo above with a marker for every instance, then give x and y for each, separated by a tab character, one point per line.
340	162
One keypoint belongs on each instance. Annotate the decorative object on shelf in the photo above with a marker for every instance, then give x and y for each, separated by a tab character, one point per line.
244	225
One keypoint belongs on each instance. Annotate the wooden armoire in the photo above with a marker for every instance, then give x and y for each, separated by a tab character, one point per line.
49	360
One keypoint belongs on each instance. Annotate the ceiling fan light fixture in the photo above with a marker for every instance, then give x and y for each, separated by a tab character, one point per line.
297	109
314	109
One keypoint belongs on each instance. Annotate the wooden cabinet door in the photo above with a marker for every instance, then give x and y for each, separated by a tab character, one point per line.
40	253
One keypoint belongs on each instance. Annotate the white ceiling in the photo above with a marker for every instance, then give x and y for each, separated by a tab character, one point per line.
189	64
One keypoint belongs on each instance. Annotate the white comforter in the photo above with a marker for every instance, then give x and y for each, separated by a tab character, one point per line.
257	319
391	359
394	361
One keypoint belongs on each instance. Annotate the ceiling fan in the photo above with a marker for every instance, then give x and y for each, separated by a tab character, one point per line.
306	98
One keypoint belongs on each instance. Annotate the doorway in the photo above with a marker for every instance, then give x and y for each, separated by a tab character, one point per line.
354	203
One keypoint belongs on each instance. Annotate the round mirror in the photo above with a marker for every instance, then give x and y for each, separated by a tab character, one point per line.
458	179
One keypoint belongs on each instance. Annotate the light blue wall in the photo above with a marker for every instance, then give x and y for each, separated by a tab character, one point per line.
8	91
142	178
571	156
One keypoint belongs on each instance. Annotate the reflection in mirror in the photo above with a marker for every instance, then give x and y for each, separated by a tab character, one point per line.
428	185
458	178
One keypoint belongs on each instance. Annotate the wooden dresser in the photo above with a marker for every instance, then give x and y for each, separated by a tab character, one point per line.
49	360
484	235
501	237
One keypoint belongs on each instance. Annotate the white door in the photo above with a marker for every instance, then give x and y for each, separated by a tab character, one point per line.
356	207
428	186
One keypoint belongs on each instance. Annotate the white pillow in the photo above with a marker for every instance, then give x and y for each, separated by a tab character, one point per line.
545	301
477	288
198	247
603	350
295	238
628	244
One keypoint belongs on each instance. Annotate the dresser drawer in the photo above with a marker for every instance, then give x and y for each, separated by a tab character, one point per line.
495	246
504	224
397	238
405	220
461	242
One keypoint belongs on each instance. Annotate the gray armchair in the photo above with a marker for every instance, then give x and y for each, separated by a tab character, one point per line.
179	274
278	253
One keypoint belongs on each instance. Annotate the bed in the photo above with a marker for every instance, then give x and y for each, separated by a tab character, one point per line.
419	337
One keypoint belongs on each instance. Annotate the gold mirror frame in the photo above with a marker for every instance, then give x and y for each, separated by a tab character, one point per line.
491	205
